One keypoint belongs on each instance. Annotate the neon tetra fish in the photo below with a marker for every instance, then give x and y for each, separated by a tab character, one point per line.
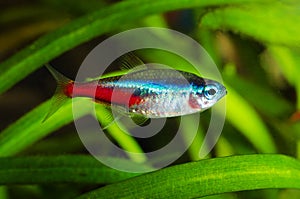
150	92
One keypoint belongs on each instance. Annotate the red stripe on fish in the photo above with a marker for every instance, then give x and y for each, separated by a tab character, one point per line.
68	89
103	94
117	96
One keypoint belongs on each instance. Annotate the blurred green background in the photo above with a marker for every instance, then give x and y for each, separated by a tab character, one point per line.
255	45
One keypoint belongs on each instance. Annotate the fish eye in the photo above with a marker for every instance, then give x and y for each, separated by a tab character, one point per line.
210	91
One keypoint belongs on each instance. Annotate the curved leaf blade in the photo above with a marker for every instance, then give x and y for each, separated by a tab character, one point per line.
59	169
238	111
269	23
86	28
208	177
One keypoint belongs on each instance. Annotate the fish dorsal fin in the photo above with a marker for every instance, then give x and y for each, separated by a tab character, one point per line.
130	61
149	66
127	63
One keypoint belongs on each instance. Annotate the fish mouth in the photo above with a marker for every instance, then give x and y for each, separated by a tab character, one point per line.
225	91
222	92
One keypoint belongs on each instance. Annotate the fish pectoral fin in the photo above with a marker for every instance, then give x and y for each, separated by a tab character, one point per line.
110	117
127	119
136	119
115	119
139	119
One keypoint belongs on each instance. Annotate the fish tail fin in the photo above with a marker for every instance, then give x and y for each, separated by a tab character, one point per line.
59	97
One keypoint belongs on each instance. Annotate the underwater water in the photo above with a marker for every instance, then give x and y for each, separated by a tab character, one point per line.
254	46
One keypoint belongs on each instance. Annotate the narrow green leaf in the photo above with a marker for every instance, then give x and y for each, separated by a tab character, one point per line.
30	128
59	169
269	23
124	139
287	60
248	122
3	192
224	148
208	177
298	149
88	27
261	92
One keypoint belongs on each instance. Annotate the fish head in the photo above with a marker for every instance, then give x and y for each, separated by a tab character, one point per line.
205	95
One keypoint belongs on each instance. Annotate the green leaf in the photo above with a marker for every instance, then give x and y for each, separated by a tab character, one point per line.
248	122
208	177
261	92
30	128
269	23
59	169
287	60
124	139
86	28
224	147
3	192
